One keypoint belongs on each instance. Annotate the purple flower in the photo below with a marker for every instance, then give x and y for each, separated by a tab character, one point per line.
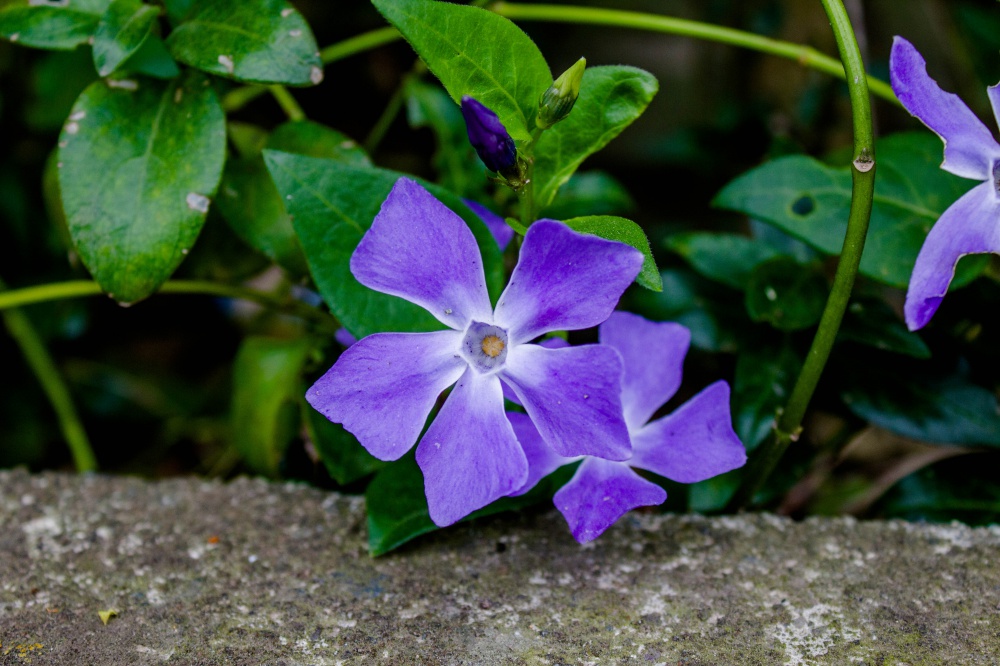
971	225
383	387
501	231
694	443
488	136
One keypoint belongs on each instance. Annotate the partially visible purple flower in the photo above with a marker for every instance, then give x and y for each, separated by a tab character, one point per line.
488	136
383	387
694	443
971	225
501	231
344	337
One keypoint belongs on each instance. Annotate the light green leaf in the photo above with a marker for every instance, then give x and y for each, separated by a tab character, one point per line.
123	28
476	52
725	258
811	201
139	166
51	26
786	294
590	193
267	389
259	41
611	98
332	205
624	231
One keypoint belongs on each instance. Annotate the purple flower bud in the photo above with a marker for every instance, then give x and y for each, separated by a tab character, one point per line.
488	136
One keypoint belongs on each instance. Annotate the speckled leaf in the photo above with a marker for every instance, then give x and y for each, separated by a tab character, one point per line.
811	201
267	389
138	168
259	41
610	99
786	294
59	26
476	52
123	28
624	231
332	205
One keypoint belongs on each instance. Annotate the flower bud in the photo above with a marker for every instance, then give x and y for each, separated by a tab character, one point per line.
556	102
488	136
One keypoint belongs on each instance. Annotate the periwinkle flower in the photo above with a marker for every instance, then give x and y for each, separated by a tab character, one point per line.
383	388
971	225
694	443
488	136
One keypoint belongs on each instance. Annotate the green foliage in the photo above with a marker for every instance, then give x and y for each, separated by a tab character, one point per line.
475	52
51	26
871	322
139	165
786	294
762	382
258	41
344	458
624	231
810	200
589	193
725	258
122	30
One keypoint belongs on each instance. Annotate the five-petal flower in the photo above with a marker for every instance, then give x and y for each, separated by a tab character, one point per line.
383	388
971	225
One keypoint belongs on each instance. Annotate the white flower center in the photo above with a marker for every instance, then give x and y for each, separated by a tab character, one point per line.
485	347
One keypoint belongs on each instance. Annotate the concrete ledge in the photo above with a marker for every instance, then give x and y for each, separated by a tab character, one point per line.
257	573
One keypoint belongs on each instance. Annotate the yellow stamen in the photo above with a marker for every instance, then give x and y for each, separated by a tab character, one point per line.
492	346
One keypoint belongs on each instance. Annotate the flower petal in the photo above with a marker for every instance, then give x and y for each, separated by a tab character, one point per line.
501	231
573	397
653	358
469	455
383	387
970	226
969	148
600	493
542	459
564	280
548	343
993	92
420	250
694	443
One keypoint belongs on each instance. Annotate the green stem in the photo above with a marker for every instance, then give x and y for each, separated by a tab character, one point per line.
76	288
804	55
37	356
385	121
789	422
287	103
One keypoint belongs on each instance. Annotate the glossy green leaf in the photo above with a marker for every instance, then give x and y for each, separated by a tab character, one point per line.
51	26
121	31
611	98
345	459
811	201
258	41
624	231
725	258
267	389
476	52
589	193
139	166
152	59
251	204
762	382
869	321
332	205
786	294
940	410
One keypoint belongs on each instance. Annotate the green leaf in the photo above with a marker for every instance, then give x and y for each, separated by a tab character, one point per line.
589	193
138	168
267	388
811	201
55	81
725	258
476	52
869	321
51	26
345	459
761	384
786	294
610	99
332	205
624	231
177	10
962	488
152	59
251	204
946	410
258	41
123	28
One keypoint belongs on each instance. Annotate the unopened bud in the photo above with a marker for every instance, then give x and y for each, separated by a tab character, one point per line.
556	102
488	136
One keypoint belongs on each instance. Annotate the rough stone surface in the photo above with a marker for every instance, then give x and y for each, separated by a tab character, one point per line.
256	573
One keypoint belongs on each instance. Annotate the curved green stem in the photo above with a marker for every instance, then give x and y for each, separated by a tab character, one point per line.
789	422
804	55
76	288
287	103
44	368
